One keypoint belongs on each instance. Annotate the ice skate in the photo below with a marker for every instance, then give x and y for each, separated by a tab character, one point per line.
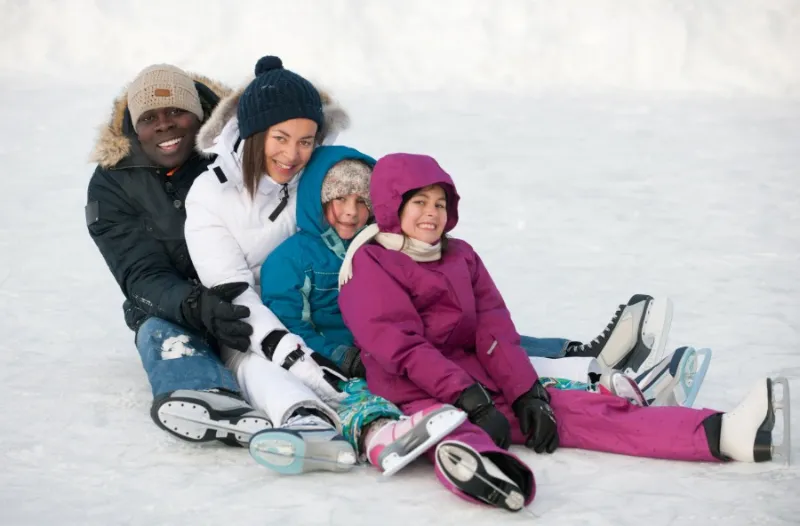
201	416
746	432
617	384
676	380
305	443
634	338
478	476
399	442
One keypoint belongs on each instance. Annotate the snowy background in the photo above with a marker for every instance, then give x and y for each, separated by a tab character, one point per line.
602	148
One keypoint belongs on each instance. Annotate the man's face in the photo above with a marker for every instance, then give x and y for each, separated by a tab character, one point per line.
167	135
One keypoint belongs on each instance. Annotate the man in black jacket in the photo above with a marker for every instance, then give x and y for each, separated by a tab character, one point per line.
135	214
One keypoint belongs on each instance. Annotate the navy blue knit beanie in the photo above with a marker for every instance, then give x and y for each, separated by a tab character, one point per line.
276	95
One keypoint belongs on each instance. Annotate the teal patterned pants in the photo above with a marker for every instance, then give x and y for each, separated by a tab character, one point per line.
361	408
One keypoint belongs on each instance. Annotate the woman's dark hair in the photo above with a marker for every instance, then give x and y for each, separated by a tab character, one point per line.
405	199
253	161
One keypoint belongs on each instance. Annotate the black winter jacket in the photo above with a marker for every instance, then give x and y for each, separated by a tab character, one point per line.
135	215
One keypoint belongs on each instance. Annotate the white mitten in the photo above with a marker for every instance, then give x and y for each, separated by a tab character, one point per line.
317	372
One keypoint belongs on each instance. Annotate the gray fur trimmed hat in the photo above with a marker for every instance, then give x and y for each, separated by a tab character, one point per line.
346	177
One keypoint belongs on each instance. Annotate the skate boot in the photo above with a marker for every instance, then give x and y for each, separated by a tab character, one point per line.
617	384
676	380
201	416
496	479
745	434
634	338
399	442
307	442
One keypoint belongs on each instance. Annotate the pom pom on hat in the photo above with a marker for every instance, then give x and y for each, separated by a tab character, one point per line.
268	63
276	95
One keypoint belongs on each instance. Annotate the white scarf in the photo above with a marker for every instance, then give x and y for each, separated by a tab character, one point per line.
413	248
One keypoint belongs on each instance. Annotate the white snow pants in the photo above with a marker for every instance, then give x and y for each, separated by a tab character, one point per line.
271	388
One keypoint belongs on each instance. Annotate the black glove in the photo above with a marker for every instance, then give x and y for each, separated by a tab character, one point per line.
352	365
536	419
481	411
212	310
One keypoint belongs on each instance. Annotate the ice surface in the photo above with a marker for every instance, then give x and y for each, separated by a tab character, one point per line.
660	167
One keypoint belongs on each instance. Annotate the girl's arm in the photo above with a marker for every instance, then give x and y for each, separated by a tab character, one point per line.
497	341
386	325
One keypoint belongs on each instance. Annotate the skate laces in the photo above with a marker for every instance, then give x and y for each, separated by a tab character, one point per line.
308	422
601	338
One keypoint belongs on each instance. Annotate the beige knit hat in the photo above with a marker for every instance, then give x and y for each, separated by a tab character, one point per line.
346	177
162	86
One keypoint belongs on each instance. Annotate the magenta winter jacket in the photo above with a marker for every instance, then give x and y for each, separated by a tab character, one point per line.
428	330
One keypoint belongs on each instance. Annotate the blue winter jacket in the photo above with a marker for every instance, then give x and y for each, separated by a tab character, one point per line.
300	278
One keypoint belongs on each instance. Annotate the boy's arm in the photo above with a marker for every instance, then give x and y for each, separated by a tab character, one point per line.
285	290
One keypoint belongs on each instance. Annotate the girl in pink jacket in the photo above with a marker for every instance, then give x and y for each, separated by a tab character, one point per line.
433	328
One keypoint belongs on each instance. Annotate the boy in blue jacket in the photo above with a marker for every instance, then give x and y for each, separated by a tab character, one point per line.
299	283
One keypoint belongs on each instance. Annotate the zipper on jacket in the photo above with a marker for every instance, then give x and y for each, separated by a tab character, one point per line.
284	201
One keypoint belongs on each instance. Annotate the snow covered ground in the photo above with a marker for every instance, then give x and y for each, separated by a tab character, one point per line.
632	147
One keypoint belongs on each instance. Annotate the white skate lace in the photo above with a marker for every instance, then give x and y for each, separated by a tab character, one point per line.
603	336
307	422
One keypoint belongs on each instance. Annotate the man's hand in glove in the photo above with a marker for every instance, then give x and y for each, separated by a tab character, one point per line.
536	419
213	310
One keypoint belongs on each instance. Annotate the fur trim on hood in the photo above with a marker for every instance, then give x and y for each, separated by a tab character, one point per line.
113	144
336	118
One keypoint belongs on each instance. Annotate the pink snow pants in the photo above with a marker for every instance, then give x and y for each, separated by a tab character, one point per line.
597	423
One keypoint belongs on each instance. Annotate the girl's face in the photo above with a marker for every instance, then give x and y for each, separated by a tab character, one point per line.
347	215
424	216
288	147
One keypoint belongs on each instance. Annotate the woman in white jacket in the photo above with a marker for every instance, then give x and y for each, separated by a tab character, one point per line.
241	209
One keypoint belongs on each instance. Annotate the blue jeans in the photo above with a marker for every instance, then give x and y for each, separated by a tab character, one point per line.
544	347
175	358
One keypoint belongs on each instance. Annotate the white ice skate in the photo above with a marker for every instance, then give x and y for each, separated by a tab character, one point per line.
477	476
617	384
201	416
398	443
746	432
305	443
635	337
676	380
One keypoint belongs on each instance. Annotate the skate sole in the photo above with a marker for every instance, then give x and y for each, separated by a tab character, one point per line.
437	425
469	475
196	421
288	453
655	324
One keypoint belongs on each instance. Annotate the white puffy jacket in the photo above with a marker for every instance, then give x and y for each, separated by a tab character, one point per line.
228	233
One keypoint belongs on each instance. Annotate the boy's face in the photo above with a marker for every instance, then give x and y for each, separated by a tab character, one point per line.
347	215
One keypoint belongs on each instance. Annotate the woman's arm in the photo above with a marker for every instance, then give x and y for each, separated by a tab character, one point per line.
218	258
